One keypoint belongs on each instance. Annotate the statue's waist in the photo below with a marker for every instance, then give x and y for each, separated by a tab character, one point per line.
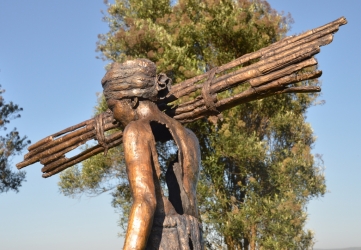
175	220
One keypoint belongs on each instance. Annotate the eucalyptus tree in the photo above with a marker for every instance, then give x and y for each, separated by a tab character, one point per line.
258	171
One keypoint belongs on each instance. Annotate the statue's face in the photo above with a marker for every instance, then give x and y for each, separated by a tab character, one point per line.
123	110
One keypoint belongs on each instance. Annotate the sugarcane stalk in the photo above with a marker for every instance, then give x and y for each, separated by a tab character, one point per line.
53	165
40	143
300	89
115	139
72	128
48	159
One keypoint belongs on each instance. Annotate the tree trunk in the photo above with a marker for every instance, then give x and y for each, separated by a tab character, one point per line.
253	238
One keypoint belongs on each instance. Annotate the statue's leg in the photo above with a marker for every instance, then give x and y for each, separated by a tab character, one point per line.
143	208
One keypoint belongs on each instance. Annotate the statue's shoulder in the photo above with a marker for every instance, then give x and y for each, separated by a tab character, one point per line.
137	130
188	135
191	134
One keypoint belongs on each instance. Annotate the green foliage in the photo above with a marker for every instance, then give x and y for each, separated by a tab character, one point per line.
100	174
258	171
261	171
11	144
96	174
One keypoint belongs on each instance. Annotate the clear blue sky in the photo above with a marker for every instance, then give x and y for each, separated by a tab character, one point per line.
48	67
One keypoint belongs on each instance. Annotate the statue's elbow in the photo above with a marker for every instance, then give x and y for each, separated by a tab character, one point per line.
149	201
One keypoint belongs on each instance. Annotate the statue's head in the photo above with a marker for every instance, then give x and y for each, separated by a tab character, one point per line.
130	79
127	83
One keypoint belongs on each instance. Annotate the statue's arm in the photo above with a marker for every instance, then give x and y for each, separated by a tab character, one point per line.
140	174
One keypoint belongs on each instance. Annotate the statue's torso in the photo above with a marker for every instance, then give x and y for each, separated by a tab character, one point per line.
175	223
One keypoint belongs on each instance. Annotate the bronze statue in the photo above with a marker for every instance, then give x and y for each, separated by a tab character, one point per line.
130	90
139	100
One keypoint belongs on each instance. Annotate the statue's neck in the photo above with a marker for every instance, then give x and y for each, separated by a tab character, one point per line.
147	110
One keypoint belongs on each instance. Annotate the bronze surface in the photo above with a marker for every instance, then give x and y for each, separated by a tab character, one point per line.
144	171
176	216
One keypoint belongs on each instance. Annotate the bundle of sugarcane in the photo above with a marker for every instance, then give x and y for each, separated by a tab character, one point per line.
269	71
51	150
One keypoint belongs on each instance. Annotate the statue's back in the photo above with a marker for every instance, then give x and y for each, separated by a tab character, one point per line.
176	225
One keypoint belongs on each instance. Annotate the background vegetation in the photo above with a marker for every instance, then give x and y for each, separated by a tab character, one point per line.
10	144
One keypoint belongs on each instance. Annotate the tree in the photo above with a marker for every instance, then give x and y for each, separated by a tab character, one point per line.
258	169
11	144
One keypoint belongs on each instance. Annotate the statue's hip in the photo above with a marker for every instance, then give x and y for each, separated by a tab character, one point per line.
175	232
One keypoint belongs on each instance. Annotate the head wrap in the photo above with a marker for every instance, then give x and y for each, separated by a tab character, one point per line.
135	78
